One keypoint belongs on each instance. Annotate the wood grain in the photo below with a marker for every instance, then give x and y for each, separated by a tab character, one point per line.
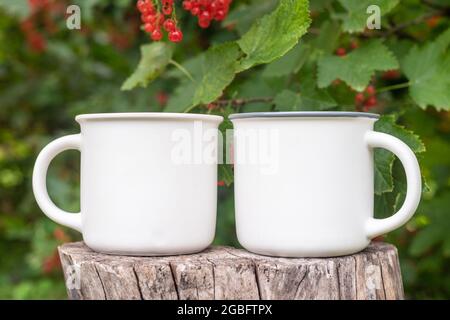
229	273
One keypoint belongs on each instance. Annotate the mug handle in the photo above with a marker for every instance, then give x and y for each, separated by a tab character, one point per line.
376	227
72	220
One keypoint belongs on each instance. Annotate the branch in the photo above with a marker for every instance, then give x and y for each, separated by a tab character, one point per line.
416	21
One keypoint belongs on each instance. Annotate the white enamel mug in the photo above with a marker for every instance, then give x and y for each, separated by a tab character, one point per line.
137	197
304	182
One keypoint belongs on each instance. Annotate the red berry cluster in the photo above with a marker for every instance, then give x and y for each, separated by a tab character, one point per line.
38	4
35	39
391	75
366	99
341	52
51	263
207	10
41	12
160	14
60	235
155	20
433	21
162	98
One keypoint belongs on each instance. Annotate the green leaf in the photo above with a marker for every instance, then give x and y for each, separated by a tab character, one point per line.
291	63
424	241
181	98
428	69
310	98
387	203
19	8
275	34
219	69
390	185
192	65
328	37
399	47
446	247
313	98
261	44
255	85
384	204
287	100
87	8
243	16
384	160
387	124
436	232
357	67
226	174
355	19
154	59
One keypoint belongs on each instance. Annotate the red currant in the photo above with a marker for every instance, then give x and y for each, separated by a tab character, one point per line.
141	5
391	74
433	21
359	98
371	102
175	36
167	10
354	45
204	23
207	10
147	18
27	24
157	21
146	7
162	98
37	42
211	106
341	52
187	5
205	15
169	25
149	27
220	15
156	35
370	90
336	82
195	11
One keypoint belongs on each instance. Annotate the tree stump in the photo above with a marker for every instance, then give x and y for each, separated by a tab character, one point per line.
229	273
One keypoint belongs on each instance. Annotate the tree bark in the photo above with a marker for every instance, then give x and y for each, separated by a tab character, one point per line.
228	273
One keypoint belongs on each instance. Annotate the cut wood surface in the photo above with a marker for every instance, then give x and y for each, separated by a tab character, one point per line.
229	273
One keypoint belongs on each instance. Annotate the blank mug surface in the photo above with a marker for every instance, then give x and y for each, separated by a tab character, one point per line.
136	197
304	183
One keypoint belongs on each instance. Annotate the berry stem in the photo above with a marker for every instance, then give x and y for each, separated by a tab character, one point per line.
182	69
157	4
174	14
394	87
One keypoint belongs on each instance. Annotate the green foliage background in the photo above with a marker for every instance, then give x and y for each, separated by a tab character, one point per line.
251	62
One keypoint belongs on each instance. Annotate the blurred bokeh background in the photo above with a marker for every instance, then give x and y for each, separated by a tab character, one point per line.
49	74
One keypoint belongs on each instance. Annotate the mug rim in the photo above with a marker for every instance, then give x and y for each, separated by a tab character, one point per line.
148	115
305	114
